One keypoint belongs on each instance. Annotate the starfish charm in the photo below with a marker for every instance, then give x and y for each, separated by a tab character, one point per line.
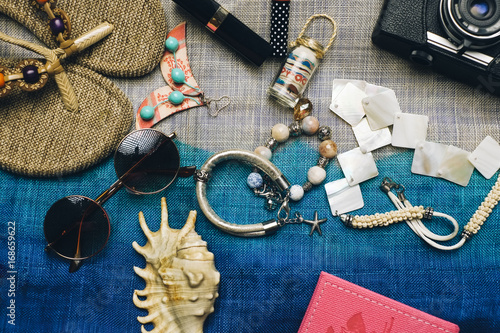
315	223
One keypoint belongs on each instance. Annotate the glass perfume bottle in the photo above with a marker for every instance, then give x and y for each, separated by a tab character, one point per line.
299	66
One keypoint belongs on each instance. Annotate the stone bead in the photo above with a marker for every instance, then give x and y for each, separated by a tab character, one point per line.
325	133
147	112
176	97
30	74
57	26
280	132
302	109
172	44
316	175
296	192
264	152
255	180
2	81
178	75
328	149
310	125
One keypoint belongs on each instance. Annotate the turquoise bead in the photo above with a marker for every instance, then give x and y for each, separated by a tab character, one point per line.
176	97
178	75
147	112
172	44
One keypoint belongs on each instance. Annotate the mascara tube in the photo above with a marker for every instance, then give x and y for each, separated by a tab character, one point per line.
228	28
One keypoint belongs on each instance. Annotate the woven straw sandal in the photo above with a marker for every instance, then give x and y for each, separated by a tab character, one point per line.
133	49
40	137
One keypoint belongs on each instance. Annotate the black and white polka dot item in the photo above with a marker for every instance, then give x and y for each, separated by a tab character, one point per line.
279	27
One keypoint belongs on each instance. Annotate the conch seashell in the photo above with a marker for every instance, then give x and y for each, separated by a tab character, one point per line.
180	275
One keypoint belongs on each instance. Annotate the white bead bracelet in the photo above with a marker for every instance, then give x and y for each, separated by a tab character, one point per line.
412	215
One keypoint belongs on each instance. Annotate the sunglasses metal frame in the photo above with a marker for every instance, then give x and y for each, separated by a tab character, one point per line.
115	187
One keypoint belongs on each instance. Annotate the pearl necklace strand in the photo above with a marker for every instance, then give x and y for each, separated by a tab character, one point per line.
413	214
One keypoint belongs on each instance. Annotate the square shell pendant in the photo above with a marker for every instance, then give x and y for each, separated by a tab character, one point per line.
357	167
342	197
455	166
486	157
427	158
339	85
381	108
347	105
372	89
369	140
409	129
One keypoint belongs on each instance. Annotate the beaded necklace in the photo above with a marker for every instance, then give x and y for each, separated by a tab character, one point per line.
412	215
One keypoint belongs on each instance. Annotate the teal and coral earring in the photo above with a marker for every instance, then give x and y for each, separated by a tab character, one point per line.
182	91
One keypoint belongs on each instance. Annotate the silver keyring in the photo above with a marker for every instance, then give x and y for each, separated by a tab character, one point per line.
203	177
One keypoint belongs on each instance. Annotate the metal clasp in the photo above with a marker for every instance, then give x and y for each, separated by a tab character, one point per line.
284	211
388	185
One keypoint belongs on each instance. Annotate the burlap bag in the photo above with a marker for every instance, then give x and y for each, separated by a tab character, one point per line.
133	49
40	137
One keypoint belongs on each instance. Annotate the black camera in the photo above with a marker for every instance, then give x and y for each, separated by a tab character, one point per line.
459	38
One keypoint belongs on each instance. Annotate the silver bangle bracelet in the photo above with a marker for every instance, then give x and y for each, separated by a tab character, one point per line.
202	178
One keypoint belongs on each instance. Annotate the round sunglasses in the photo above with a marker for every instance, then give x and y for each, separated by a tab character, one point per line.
146	162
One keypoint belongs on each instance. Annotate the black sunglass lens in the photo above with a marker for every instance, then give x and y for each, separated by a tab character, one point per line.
147	161
76	227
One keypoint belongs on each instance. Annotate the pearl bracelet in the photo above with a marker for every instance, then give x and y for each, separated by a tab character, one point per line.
306	124
483	211
413	214
385	219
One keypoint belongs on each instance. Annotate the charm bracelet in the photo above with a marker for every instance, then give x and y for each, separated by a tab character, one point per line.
274	187
281	189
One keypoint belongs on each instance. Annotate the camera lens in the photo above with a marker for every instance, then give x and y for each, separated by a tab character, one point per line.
473	24
481	10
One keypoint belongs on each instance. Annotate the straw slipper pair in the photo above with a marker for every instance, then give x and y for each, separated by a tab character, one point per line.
79	116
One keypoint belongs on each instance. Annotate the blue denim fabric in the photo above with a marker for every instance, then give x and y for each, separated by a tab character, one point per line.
266	283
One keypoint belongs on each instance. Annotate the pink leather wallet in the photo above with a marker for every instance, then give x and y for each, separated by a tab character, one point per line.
338	306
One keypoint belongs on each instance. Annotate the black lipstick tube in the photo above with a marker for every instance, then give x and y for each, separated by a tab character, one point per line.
228	28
